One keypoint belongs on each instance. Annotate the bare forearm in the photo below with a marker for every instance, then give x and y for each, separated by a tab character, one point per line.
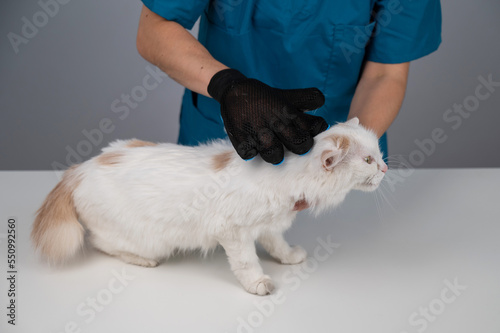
379	95
174	50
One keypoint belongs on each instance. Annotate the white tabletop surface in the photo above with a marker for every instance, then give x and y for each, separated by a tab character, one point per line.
420	255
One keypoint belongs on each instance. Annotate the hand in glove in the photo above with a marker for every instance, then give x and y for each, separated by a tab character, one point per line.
261	120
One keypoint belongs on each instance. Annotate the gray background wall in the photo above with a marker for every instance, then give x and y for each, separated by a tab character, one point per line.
69	77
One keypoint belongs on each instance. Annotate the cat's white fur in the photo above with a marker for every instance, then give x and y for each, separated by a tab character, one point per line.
143	202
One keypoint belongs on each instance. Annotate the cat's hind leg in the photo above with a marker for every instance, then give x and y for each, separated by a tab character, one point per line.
102	243
136	260
278	248
245	265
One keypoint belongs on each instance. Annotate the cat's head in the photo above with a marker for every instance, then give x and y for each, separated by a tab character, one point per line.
350	150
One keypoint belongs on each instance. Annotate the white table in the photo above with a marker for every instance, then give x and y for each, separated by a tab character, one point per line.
391	271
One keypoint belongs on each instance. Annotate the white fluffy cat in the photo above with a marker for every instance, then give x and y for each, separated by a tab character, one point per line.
141	201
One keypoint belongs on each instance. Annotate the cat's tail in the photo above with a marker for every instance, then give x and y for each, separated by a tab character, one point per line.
57	235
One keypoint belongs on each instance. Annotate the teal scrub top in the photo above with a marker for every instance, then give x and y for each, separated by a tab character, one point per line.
292	44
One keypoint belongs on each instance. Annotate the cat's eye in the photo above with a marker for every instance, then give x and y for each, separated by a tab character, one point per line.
369	159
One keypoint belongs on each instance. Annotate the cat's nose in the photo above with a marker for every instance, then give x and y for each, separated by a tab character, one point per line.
384	167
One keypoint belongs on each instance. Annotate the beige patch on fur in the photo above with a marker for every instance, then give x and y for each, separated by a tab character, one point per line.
56	232
342	142
140	143
220	161
110	158
300	205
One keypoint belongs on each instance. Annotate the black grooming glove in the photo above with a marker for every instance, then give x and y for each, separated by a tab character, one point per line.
261	120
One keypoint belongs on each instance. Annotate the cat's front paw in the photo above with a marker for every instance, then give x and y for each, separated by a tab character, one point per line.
263	286
295	256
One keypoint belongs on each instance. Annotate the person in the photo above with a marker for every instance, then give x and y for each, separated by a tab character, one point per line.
274	73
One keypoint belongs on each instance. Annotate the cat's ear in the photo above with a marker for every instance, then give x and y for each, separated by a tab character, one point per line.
352	122
335	153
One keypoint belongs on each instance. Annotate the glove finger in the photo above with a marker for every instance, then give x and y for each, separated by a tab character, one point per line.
269	146
294	139
311	124
247	148
304	99
244	143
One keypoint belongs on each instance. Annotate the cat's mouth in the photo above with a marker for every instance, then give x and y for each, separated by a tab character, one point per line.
371	183
368	186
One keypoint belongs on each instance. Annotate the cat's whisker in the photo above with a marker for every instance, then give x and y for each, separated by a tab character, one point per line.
379	208
385	187
397	161
385	198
